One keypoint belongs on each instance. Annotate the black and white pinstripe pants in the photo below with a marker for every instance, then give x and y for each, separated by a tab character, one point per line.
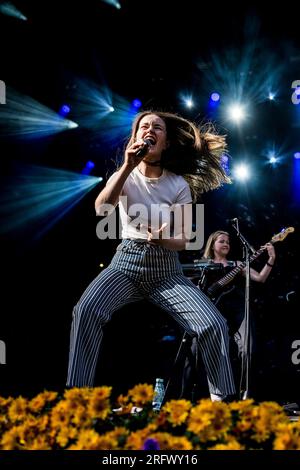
143	271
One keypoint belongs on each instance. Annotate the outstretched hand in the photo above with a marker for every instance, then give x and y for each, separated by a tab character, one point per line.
155	237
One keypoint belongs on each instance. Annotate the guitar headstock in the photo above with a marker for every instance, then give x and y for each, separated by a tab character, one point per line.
281	235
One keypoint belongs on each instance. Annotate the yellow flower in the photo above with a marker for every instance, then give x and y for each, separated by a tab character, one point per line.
164	440
141	394
11	439
198	421
60	415
180	443
267	417
77	396
241	406
81	417
39	443
66	434
88	439
18	409
99	405
287	437
101	393
177	411
209	420
233	444
5	402
38	402
135	440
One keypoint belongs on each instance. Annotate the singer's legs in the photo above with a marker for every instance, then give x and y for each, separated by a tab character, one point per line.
110	291
196	313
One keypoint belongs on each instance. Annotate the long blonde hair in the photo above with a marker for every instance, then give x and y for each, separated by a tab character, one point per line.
193	152
208	252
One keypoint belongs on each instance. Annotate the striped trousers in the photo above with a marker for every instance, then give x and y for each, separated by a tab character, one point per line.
139	271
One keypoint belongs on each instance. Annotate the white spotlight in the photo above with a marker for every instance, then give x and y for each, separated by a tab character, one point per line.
241	172
189	103
72	125
236	112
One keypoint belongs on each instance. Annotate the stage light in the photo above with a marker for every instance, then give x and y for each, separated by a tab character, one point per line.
273	159
64	110
113	3
236	113
187	100
9	9
241	172
189	103
297	155
24	117
98	108
215	97
271	96
43	196
88	167
136	103
72	125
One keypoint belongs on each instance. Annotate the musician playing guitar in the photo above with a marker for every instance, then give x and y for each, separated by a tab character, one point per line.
231	301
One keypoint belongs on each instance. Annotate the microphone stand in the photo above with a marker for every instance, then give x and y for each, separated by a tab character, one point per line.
246	356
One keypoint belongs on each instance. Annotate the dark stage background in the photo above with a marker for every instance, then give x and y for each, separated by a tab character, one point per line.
152	51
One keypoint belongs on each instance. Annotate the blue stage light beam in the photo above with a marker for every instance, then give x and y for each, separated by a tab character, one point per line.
113	3
7	8
244	74
106	113
24	117
38	197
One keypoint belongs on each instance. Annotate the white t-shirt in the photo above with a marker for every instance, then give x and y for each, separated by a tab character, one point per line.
151	202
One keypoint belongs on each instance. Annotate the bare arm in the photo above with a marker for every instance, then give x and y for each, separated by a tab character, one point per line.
110	194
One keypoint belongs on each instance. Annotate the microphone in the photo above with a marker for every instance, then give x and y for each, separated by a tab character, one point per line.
145	148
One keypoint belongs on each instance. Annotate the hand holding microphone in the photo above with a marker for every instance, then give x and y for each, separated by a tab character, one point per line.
145	147
135	154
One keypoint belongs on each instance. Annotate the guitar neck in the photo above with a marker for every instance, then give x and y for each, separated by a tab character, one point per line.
228	277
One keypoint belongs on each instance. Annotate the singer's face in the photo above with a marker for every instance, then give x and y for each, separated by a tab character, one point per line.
221	246
154	127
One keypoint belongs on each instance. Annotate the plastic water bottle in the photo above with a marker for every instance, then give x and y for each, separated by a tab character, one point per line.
159	394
